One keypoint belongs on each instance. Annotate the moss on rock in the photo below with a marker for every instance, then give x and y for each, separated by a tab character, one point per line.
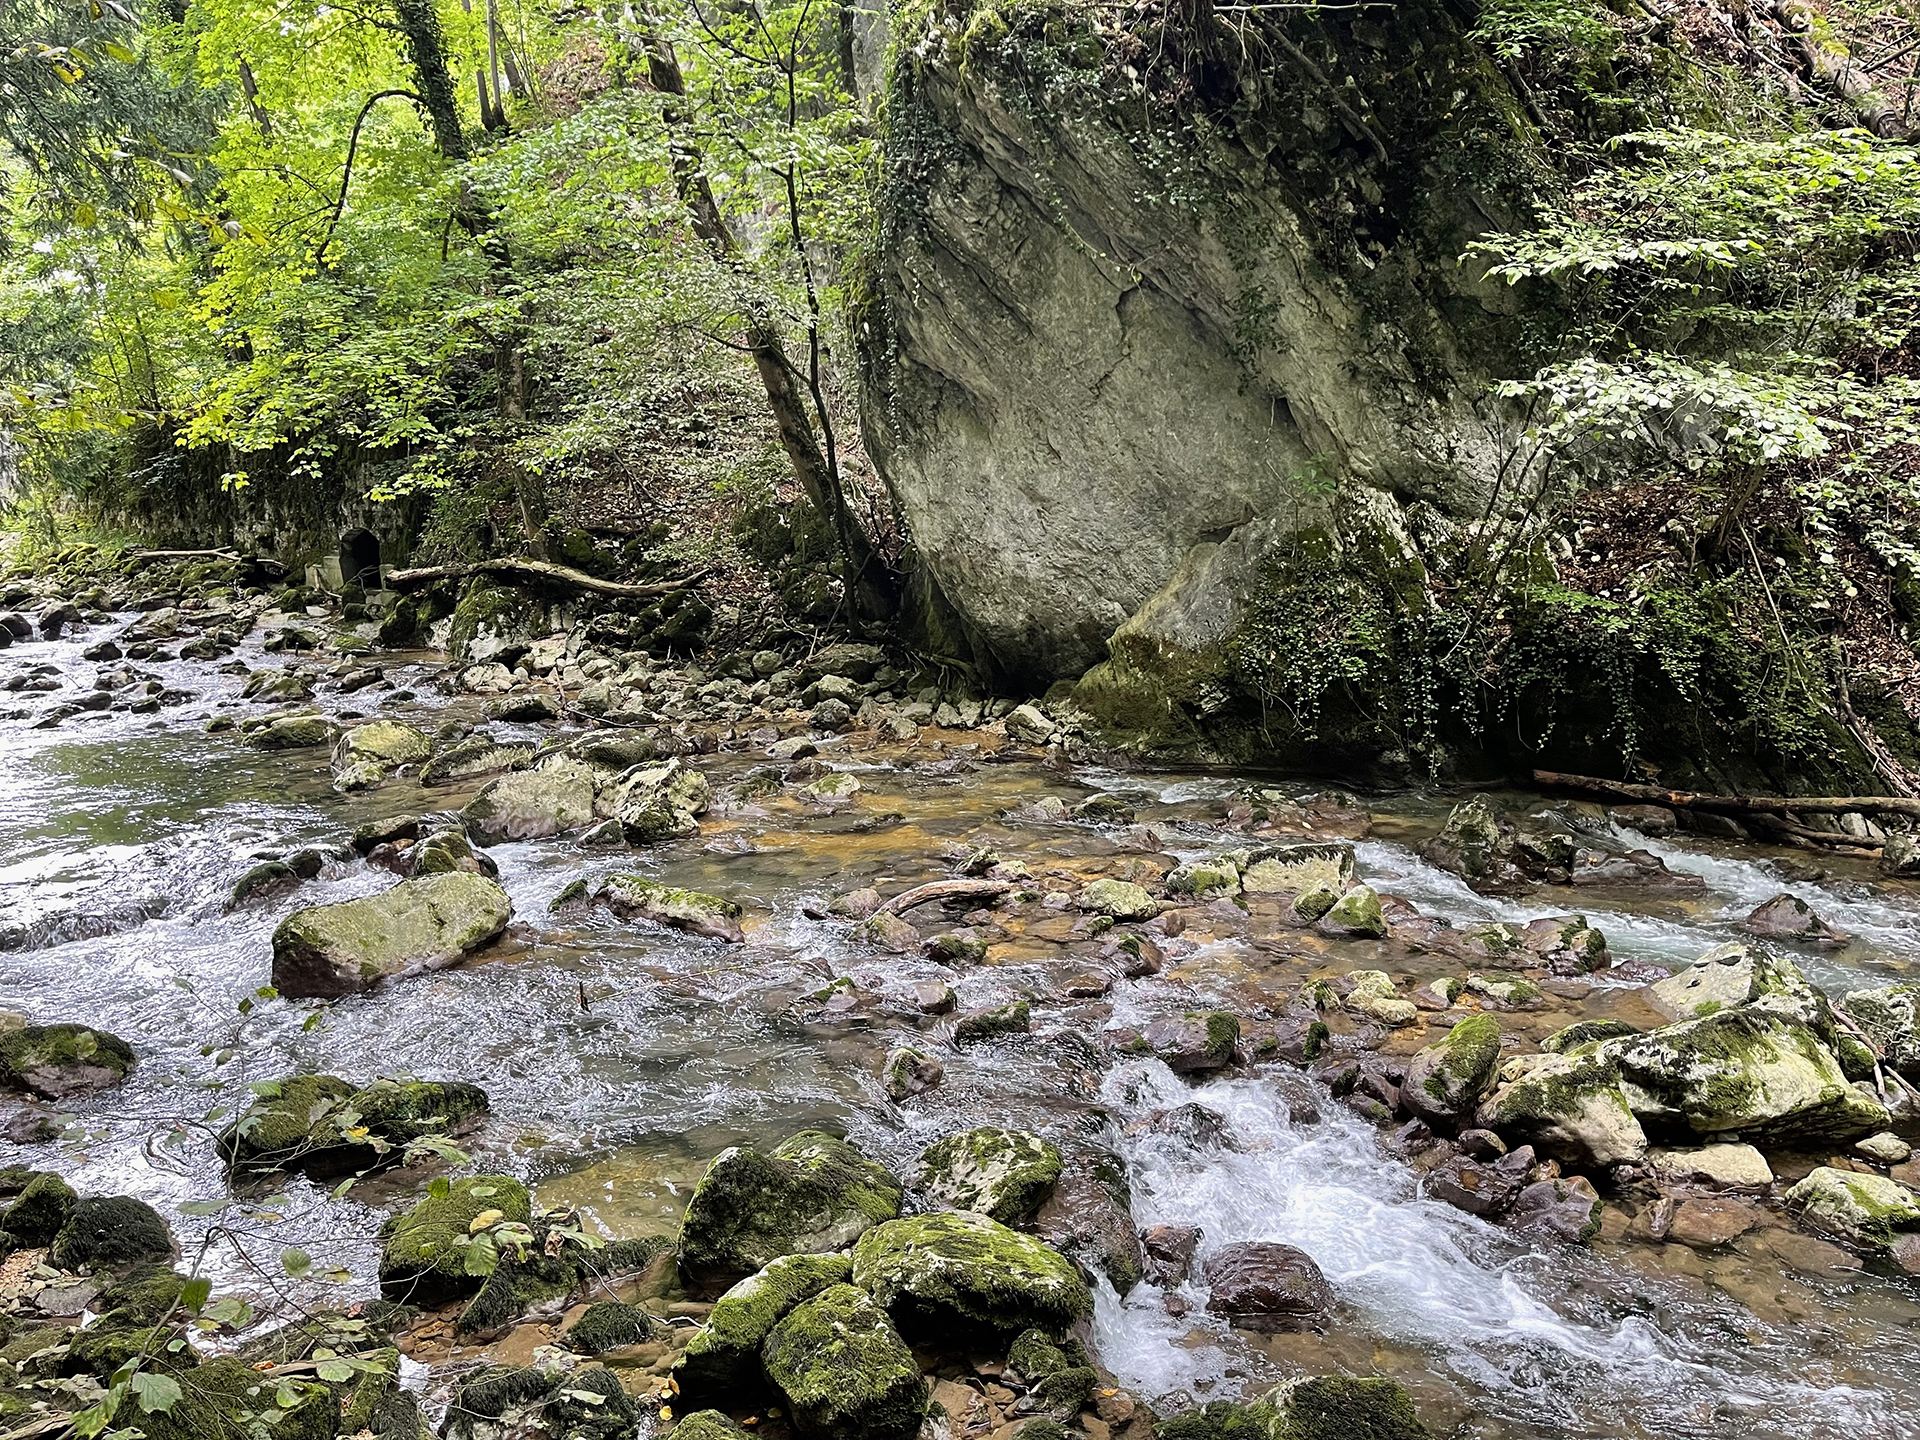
108	1231
983	1025
420	924
694	911
844	1369
1119	899
607	1325
420	1258
961	1268
722	1359
815	1193
41	1209
55	1061
1005	1174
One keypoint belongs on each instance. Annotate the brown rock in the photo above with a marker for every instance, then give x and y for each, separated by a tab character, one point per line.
1481	1188
1719	1220
1787	917
1567	1209
1169	1250
1263	1285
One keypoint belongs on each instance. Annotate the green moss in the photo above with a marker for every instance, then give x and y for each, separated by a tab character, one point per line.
1007	1174
221	1399
41	1209
982	1025
1341	1407
146	1296
419	1258
1585	1033
844	1369
52	1048
606	1325
1223	1034
517	1286
722	1359
287	1122
708	1425
1473	1052
1318	1034
814	1193
403	1111
101	1349
107	1231
965	1268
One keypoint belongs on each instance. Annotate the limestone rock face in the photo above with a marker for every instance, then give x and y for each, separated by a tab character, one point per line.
1101	414
425	923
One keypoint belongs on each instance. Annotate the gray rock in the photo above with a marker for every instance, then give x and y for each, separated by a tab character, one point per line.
420	924
1788	917
1566	1209
1005	1174
533	804
1869	1210
636	897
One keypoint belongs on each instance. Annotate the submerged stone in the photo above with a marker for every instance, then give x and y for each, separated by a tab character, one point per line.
425	923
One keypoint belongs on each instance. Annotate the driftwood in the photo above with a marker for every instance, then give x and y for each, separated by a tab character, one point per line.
1731	804
945	890
539	570
223	553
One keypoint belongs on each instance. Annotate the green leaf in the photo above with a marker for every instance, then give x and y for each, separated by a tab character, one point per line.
203	1207
334	1371
120	52
296	1261
439	1188
194	1293
156	1393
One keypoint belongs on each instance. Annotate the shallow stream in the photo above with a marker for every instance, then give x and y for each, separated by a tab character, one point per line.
620	1058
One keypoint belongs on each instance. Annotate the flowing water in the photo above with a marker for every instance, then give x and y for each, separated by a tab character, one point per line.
620	1058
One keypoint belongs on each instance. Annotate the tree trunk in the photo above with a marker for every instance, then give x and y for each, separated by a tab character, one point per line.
529	491
427	52
818	477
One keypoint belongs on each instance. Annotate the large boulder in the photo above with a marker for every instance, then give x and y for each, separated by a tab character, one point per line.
957	1267
722	1360
1749	1070
424	923
532	804
58	1061
473	757
1571	1106
1006	1174
1446	1082
813	1194
110	1232
1735	976
1295	869
1478	846
844	1369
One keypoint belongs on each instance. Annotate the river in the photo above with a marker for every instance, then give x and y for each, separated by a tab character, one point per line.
620	1058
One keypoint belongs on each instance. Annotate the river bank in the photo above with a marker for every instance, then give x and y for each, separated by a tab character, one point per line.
1116	973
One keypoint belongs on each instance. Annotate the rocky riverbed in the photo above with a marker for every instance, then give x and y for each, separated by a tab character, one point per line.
576	1038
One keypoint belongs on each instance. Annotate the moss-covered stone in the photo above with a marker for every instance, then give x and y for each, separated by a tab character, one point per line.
979	1026
474	757
844	1369
554	799
310	1122
708	1425
607	1325
36	1216
226	1399
1584	1033
1005	1174
1056	1372
420	924
55	1061
1340	1407
815	1193
147	1295
722	1359
1869	1210
1316	900
1355	914
1119	899
289	1121
1446	1081
661	802
1570	1106
384	744
518	1284
420	1259
108	1231
959	1268
639	898
1205	879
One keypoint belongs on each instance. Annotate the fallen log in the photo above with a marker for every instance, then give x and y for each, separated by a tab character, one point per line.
944	890
1812	837
224	553
542	570
1730	804
1828	62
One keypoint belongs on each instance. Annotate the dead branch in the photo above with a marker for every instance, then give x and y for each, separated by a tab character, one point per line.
945	890
1731	804
543	570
